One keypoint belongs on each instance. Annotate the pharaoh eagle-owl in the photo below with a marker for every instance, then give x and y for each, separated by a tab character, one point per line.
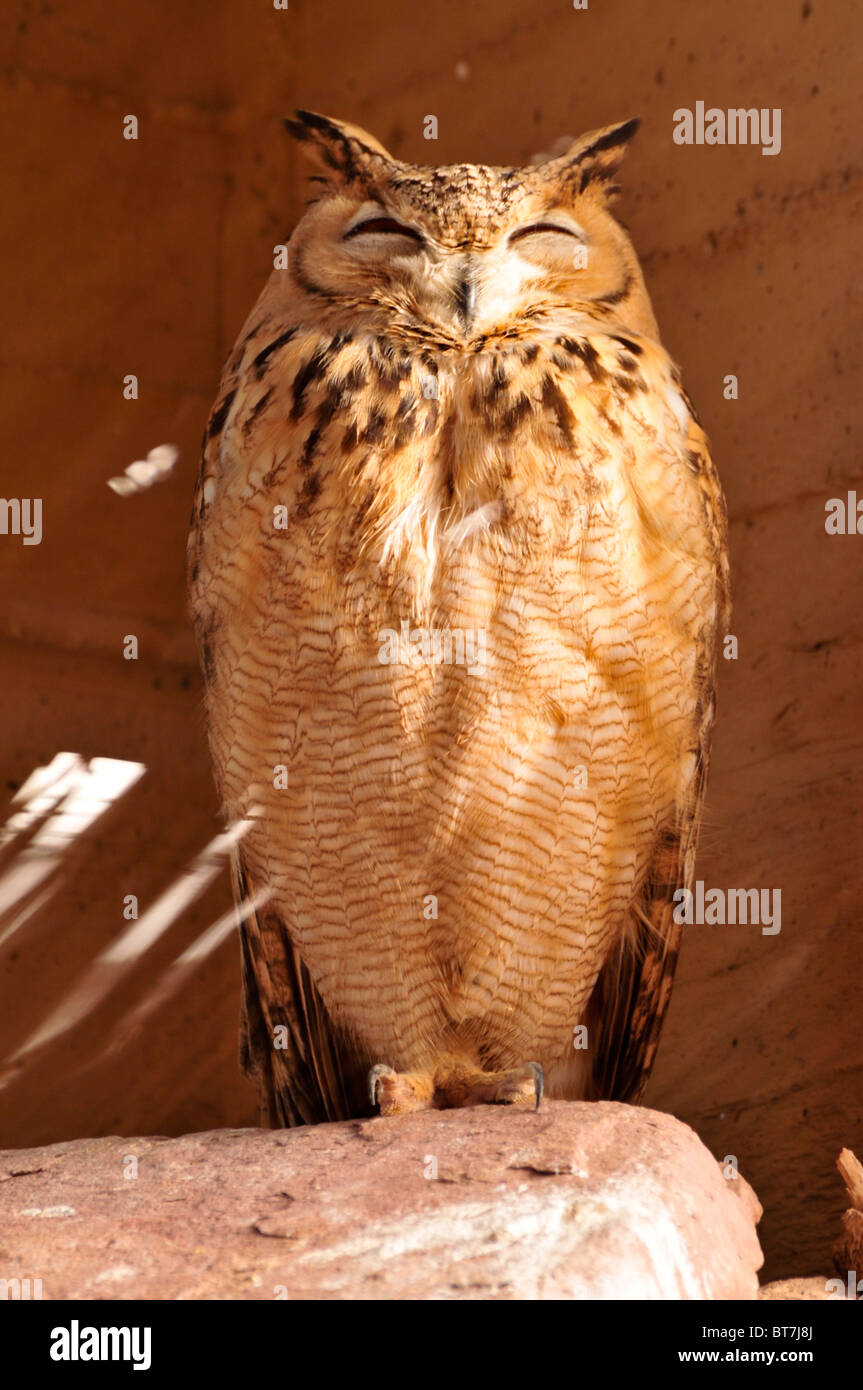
458	577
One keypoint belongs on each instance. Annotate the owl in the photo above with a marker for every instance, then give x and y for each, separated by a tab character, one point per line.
458	578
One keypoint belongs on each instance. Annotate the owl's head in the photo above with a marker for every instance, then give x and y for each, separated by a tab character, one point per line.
463	254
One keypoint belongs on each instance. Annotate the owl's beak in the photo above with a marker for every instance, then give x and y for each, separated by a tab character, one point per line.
464	294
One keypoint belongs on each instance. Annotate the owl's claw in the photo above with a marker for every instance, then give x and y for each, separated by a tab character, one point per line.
374	1080
538	1080
399	1093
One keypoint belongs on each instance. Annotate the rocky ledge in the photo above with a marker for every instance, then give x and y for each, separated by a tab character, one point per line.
575	1201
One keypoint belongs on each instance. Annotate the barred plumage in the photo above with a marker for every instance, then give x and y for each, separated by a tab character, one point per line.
451	420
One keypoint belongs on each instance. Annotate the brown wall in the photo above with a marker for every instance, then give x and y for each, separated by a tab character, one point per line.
145	256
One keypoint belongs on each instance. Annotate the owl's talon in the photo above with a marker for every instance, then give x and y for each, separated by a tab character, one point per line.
374	1080
399	1092
538	1080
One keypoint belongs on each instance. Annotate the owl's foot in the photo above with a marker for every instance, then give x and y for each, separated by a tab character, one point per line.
458	1085
452	1086
398	1093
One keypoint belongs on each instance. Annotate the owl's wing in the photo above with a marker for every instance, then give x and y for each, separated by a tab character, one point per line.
304	1066
631	996
629	1001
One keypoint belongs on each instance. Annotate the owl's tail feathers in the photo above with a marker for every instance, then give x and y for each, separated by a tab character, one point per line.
307	1069
630	999
626	1013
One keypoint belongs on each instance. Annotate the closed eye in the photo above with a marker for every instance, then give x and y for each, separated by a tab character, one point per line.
543	227
388	225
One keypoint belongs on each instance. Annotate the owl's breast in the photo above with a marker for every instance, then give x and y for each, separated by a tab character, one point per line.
544	493
570	455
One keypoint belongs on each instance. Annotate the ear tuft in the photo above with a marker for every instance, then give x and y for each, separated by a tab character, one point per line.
344	153
593	158
613	137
